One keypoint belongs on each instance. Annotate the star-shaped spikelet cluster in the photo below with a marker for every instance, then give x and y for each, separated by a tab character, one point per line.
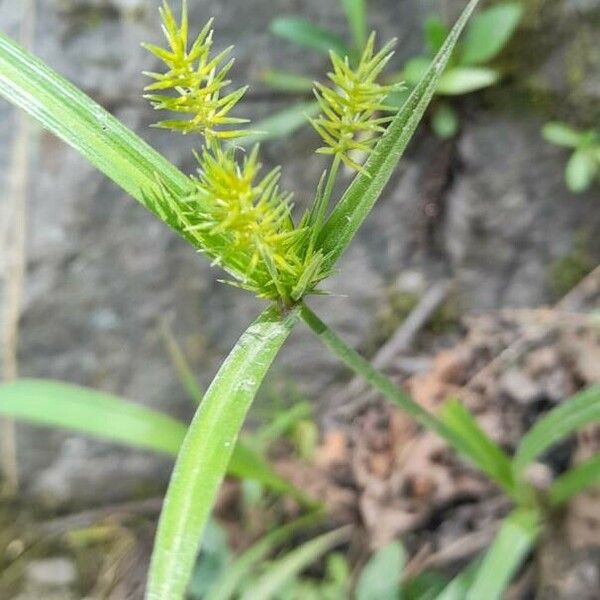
196	81
350	107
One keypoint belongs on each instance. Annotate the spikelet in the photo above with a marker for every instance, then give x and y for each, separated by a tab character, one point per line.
348	120
243	222
195	79
230	212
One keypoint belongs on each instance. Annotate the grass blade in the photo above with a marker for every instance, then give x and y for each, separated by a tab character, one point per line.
356	14
114	419
579	410
575	480
102	415
366	188
512	544
246	463
284	569
281	124
476	445
381	577
74	117
459	586
206	451
381	382
229	582
305	33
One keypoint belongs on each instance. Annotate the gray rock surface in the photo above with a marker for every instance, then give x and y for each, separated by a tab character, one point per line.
102	272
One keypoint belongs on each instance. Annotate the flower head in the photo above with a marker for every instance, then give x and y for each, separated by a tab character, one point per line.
244	223
196	79
232	213
348	120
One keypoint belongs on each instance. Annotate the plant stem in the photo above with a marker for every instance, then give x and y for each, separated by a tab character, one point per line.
16	266
326	197
378	380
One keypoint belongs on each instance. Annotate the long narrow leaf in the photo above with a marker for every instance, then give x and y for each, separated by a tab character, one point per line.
575	480
246	463
71	115
476	445
356	13
381	577
366	188
579	410
206	451
114	419
229	582
512	544
307	34
457	589
283	570
72	407
384	384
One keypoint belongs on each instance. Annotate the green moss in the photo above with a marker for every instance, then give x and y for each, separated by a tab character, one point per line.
396	306
568	270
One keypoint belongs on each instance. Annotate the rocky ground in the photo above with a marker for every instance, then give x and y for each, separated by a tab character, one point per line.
488	211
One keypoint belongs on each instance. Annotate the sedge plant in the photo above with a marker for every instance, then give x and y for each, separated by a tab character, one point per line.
238	215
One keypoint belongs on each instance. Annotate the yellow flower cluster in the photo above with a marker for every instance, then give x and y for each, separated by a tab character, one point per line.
348	121
196	79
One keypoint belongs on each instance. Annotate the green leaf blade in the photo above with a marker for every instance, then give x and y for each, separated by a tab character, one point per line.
229	582
284	569
75	118
561	135
565	419
580	171
249	464
356	15
367	186
87	411
444	121
512	544
206	451
382	575
435	33
574	481
464	80
305	33
489	32
476	445
114	419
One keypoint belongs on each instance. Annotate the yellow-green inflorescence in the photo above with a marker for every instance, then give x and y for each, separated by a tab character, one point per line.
232	213
350	118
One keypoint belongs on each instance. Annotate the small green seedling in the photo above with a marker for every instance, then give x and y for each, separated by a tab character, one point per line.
583	167
485	37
